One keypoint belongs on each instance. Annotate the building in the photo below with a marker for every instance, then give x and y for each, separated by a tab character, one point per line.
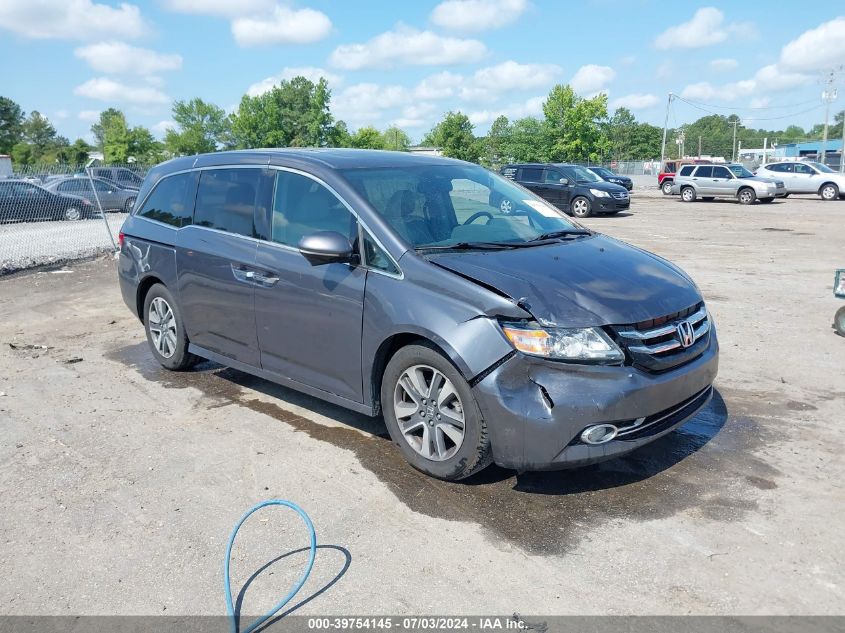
425	151
809	149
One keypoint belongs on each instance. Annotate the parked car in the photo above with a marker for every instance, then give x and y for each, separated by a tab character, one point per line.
666	176
571	188
807	177
123	176
394	283
724	181
605	174
21	200
111	196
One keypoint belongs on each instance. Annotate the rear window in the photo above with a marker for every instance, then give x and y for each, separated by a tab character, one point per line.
226	200
686	170
704	171
171	202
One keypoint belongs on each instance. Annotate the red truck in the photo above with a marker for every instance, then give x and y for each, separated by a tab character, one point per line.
667	174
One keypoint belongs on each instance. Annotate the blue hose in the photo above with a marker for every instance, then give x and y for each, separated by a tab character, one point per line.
313	536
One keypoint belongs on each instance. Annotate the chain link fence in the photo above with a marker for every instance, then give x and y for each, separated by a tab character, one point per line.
55	213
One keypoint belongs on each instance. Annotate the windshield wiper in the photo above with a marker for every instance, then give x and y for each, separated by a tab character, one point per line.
466	246
551	235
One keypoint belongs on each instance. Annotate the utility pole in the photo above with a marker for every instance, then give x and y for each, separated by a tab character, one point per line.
842	149
733	145
699	146
665	127
828	95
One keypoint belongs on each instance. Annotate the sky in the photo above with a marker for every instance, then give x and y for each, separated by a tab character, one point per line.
407	62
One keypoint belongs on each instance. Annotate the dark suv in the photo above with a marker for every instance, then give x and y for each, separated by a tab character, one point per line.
571	188
392	283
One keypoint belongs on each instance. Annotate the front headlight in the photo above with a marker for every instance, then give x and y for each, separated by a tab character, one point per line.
583	345
598	193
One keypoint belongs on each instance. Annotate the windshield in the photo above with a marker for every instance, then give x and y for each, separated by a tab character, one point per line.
740	171
822	168
441	205
582	174
601	171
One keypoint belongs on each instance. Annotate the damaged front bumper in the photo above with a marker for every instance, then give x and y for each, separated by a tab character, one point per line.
537	409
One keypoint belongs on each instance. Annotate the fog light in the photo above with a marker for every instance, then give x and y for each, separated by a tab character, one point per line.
599	434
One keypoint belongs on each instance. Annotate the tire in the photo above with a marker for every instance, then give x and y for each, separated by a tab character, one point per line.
430	444
581	207
709	198
130	202
746	195
170	351
688	194
666	187
829	191
786	195
839	321
72	214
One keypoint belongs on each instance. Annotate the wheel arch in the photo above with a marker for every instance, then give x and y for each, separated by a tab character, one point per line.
141	294
825	184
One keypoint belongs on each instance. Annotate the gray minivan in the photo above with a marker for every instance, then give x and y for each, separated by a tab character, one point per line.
392	283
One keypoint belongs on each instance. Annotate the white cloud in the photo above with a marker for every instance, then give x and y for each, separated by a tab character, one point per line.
407	46
285	26
704	90
365	103
225	8
61	115
591	79
817	49
636	101
438	86
105	89
492	82
773	78
723	65
120	58
477	15
309	72
761	102
530	107
160	128
706	28
766	80
88	115
70	19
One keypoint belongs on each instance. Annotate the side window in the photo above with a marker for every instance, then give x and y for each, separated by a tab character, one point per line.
531	174
686	170
553	176
226	200
68	186
302	206
704	171
803	169
721	172
101	186
171	201
376	258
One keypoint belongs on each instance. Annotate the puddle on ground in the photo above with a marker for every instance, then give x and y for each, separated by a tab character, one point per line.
540	512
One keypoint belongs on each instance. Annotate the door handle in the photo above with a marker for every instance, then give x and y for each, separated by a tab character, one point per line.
264	280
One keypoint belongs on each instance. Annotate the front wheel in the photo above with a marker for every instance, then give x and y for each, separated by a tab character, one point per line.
666	187
829	191
166	330
747	196
839	321
581	207
72	214
431	413
688	194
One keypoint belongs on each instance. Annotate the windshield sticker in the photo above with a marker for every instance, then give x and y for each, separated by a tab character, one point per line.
543	209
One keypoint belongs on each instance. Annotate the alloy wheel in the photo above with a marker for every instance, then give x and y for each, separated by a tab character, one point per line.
580	207
429	412
72	214
829	192
687	195
162	324
505	206
745	197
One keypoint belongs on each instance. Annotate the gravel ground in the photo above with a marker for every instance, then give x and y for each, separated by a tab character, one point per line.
121	481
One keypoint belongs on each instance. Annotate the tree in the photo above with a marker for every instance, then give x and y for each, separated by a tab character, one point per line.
495	143
396	139
339	136
38	132
575	125
294	113
143	147
367	138
454	136
201	127
630	139
112	135
11	124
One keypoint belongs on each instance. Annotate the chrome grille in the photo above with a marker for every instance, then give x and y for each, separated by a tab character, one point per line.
664	343
620	195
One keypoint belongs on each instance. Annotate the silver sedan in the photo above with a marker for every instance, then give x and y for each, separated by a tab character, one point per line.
112	197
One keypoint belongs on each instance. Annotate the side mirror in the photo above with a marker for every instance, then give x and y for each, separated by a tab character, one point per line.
564	181
325	247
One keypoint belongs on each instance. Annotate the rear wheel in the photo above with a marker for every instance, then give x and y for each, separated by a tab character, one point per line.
581	207
666	187
128	205
166	330
829	191
688	194
431	414
839	321
746	196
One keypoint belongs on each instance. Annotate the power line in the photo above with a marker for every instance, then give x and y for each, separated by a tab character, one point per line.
774	118
774	107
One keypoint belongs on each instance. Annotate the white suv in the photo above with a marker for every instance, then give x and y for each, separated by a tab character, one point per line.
806	177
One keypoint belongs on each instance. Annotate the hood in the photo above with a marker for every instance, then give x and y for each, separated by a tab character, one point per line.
769	181
580	283
603	185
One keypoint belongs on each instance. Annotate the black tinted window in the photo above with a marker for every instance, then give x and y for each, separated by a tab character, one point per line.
686	170
171	201
532	174
73	186
704	171
376	257
302	206
803	169
780	167
553	176
721	172
226	200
